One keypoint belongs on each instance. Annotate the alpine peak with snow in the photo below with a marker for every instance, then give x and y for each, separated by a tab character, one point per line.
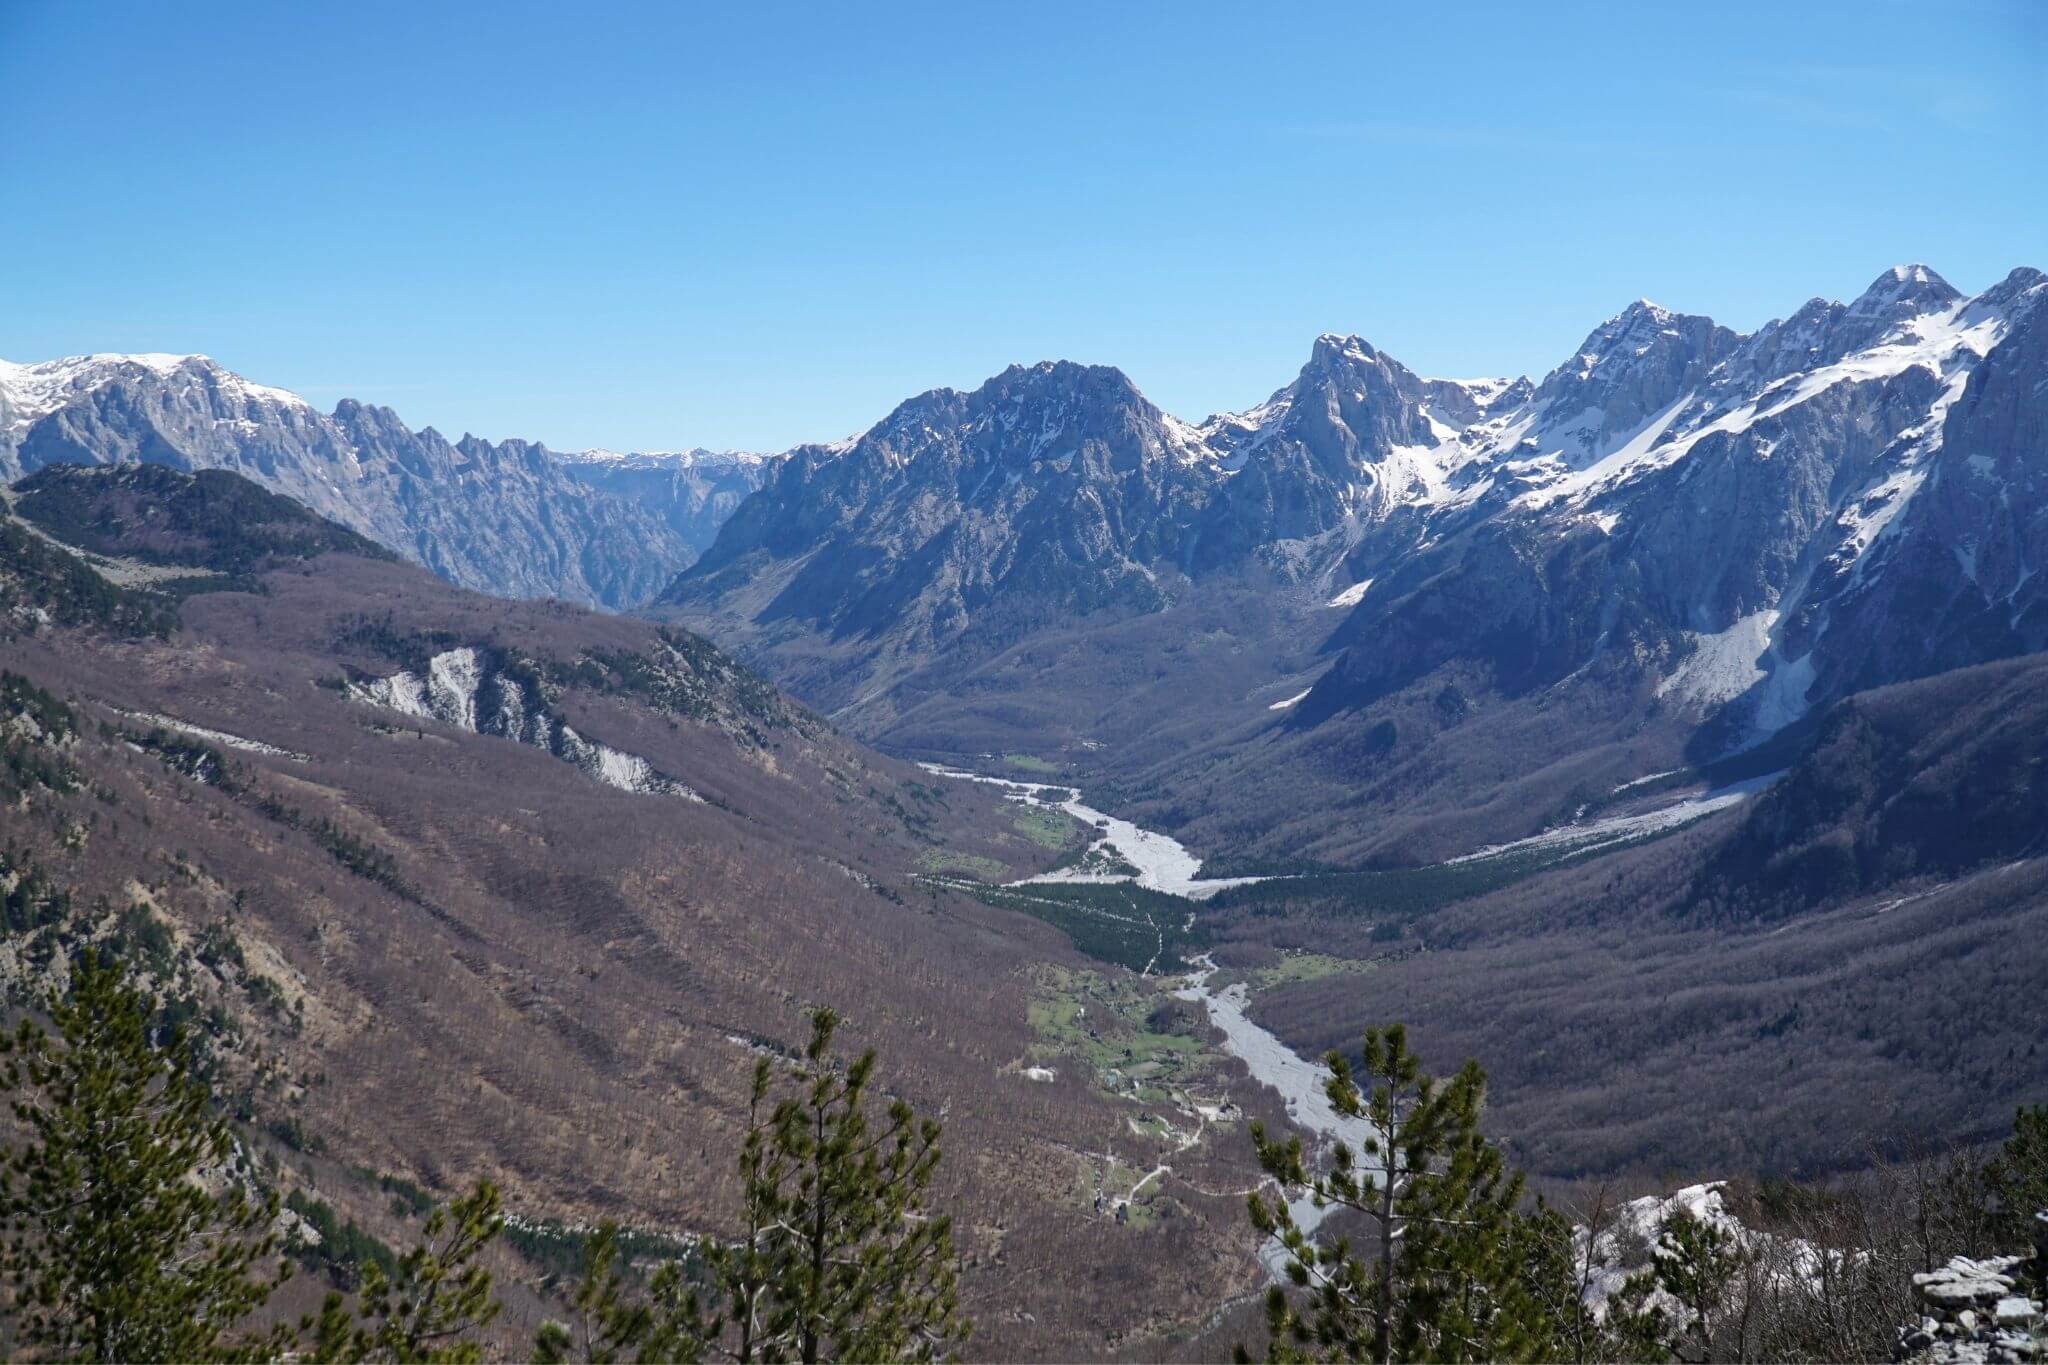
1752	523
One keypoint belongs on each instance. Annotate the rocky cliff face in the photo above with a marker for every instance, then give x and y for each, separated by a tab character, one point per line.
1051	489
1355	441
499	517
1955	531
477	690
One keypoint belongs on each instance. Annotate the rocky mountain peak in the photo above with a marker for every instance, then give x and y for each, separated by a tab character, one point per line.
1348	369
1333	351
31	392
1636	364
1641	330
1102	386
2018	291
1905	291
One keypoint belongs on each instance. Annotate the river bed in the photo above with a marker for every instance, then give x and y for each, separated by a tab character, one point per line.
1298	1081
1163	863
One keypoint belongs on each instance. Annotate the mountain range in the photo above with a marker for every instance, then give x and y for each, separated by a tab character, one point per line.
1368	574
508	517
1667	733
1700	534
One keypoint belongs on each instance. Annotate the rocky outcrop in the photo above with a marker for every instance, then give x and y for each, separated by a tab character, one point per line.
475	690
1989	1311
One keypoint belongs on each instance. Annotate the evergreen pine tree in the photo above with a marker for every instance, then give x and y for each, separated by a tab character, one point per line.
1635	1326
861	1271
1696	1263
613	1323
112	1245
2017	1178
608	1325
837	1258
744	1272
1447	1273
433	1308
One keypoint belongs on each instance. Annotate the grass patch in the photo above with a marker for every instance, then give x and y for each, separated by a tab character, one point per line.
1029	764
971	864
1304	967
1120	1028
1046	826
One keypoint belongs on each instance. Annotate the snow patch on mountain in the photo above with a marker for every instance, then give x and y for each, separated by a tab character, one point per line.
1744	661
1352	595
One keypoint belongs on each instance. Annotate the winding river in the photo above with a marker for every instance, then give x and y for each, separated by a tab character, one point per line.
1298	1081
1163	863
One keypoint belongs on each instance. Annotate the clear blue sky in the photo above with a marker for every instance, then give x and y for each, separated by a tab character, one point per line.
656	224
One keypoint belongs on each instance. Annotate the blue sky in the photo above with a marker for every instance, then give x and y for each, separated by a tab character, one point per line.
644	225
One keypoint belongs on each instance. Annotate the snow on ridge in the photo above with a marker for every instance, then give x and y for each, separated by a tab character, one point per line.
682	459
1948	343
32	391
1491	382
1290	701
1189	443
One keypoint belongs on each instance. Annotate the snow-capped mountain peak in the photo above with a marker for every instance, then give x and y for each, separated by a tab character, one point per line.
1913	285
29	392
